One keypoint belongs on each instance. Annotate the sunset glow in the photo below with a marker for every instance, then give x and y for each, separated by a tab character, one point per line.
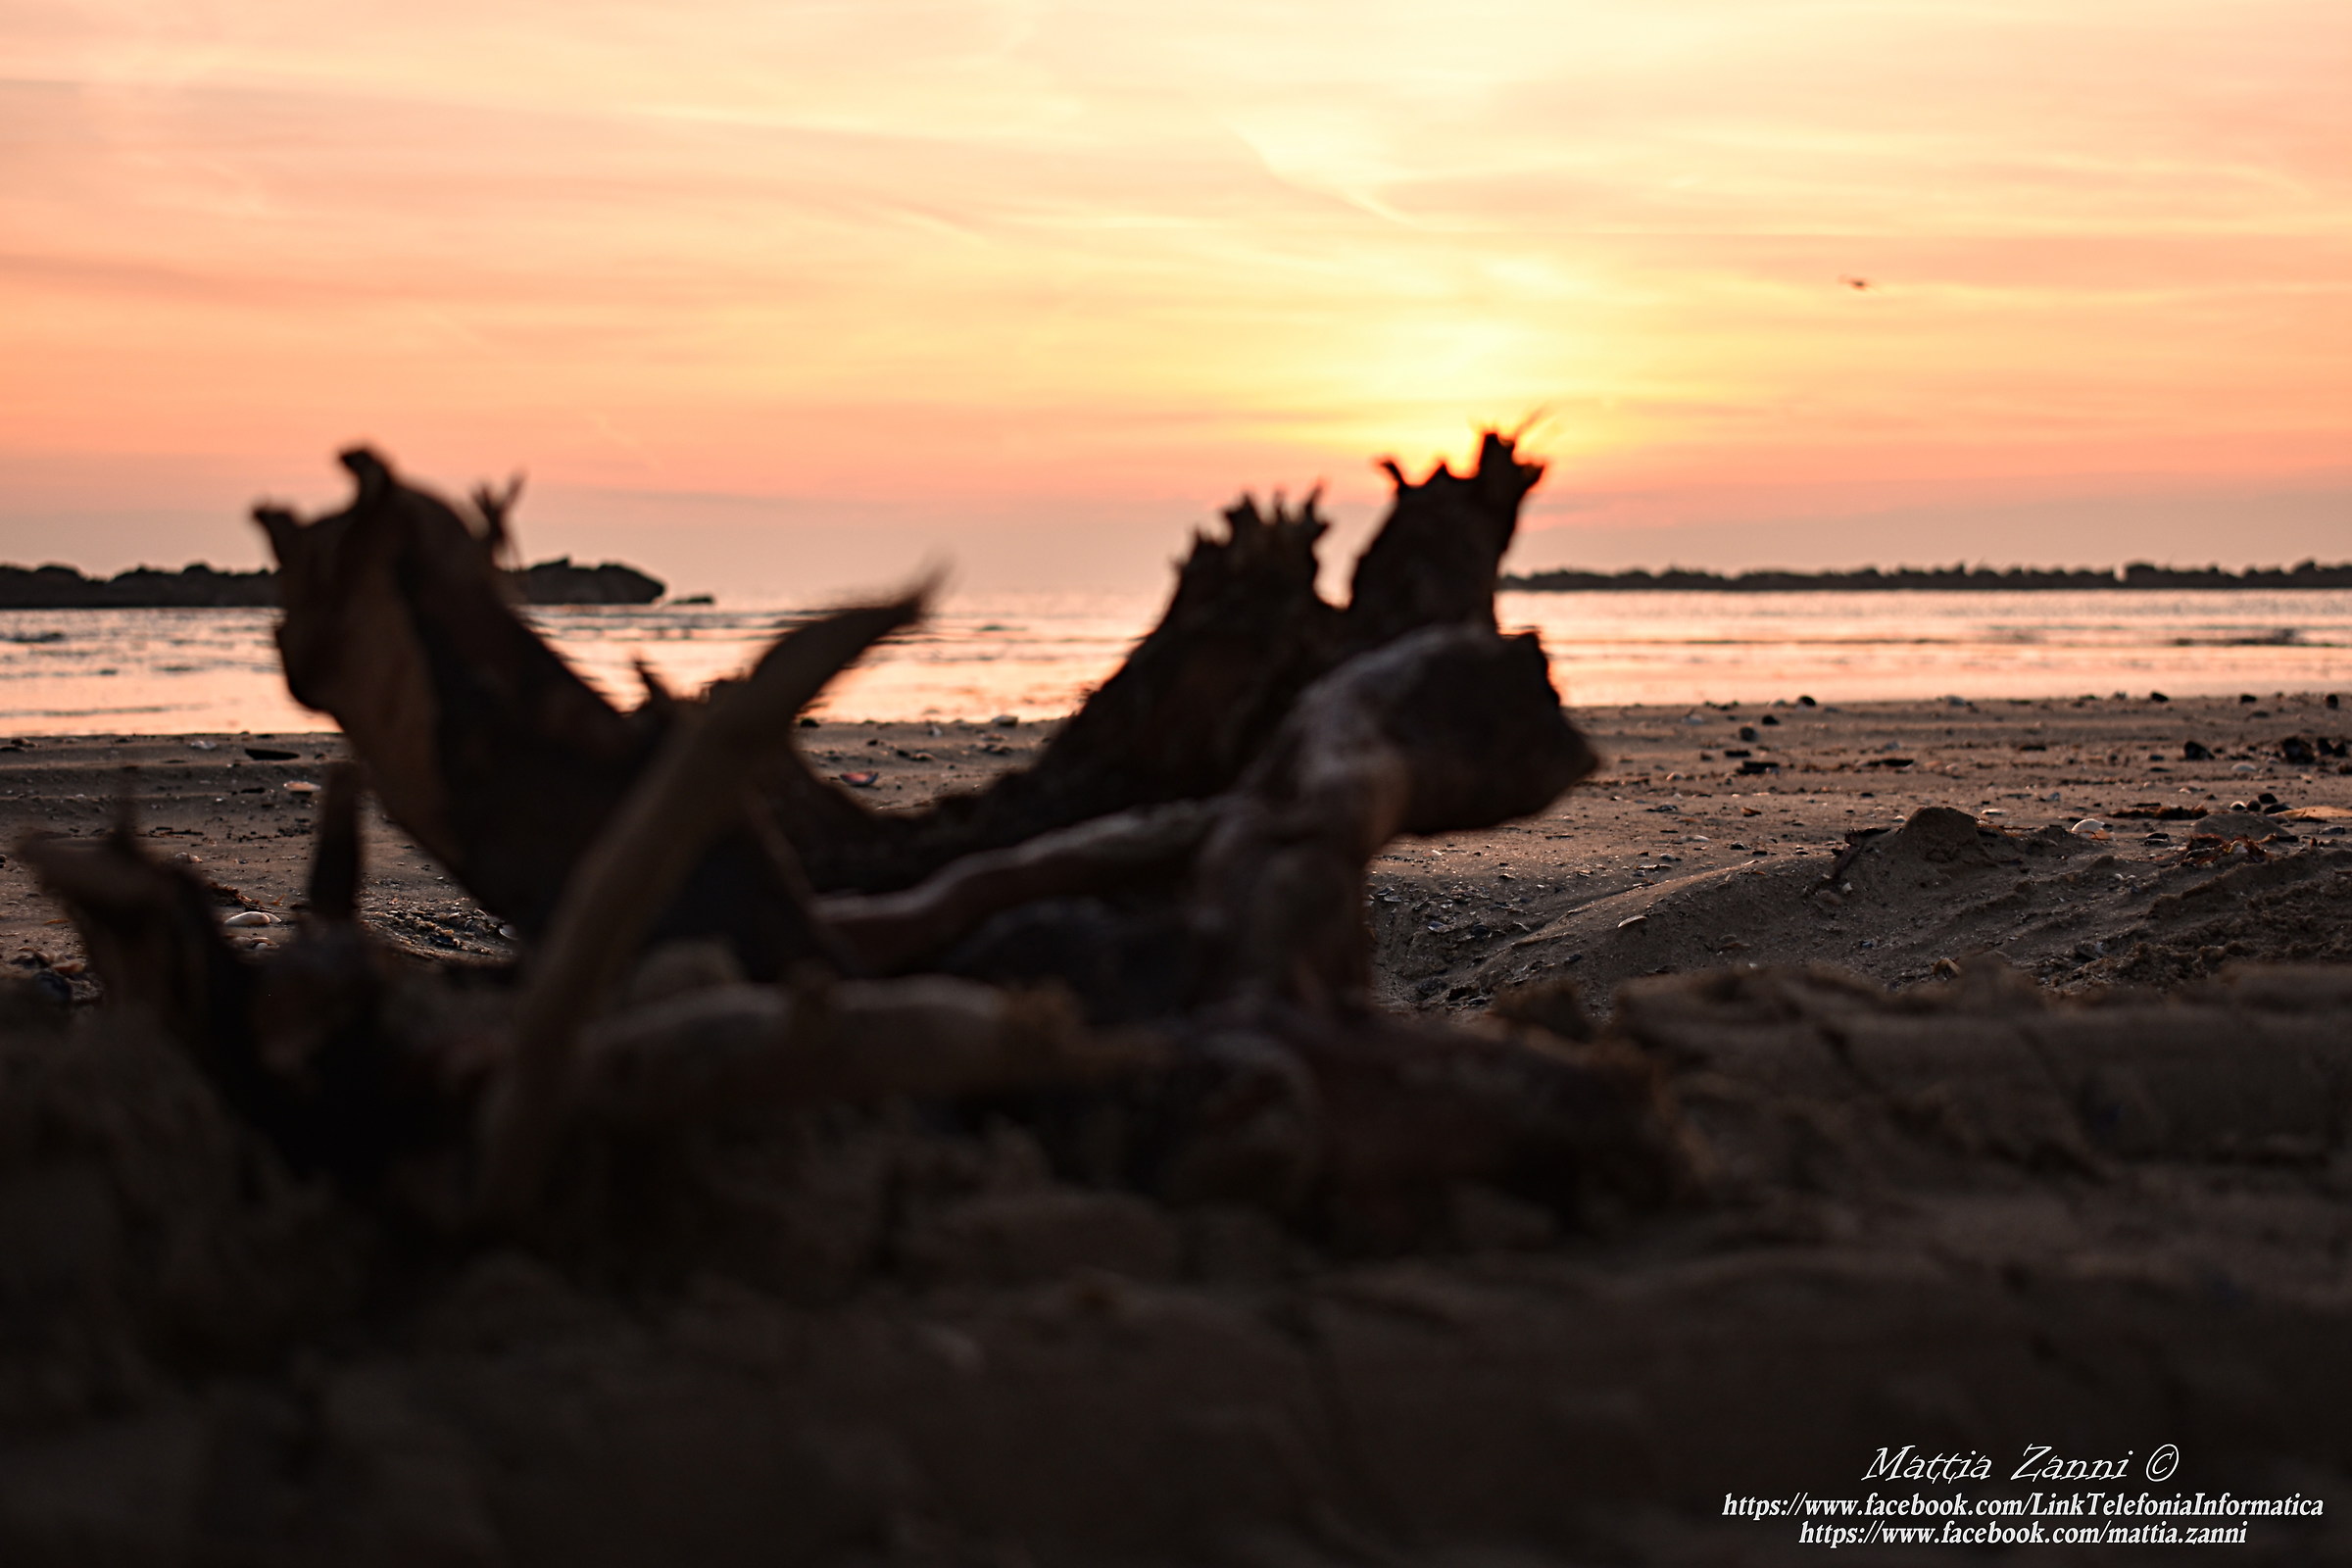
793	297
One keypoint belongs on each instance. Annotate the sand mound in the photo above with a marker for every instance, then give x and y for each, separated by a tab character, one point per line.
1943	886
1933	835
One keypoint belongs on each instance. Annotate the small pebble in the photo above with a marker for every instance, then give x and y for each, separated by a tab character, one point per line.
1632	920
2090	827
301	786
250	917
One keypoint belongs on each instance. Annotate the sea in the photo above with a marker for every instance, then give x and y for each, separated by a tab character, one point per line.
1034	655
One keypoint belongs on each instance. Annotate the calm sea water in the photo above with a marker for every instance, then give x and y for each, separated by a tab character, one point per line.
176	671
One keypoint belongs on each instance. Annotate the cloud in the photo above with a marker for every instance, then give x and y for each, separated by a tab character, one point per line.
1055	256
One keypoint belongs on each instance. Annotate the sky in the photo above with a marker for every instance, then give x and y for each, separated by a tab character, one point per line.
801	298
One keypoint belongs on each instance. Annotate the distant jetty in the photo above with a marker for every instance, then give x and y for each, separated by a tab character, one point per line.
1869	579
200	587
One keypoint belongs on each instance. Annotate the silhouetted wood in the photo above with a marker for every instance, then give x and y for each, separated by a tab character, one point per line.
696	787
1211	809
1447	729
302	1043
481	743
505	765
909	929
1243	634
1450	728
153	937
1267	1080
495	756
1438	558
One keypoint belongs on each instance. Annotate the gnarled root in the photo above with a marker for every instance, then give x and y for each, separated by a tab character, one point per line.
1244	635
1219	797
485	746
504	765
494	755
695	788
1448	728
300	1044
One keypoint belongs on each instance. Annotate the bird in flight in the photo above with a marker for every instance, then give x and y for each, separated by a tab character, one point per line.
1855	282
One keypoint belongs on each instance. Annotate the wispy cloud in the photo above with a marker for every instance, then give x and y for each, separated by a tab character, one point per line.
1059	256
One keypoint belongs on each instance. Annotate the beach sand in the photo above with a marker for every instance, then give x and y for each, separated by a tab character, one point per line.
1720	866
2100	1205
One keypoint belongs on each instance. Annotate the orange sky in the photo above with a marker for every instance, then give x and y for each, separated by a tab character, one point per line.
792	297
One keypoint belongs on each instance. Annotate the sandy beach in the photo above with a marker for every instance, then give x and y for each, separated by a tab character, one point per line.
1721	863
2091	1195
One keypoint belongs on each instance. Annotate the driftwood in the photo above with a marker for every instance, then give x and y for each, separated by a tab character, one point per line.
1265	1080
483	745
1156	932
1450	728
1447	729
694	789
1243	634
504	765
494	755
301	1046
